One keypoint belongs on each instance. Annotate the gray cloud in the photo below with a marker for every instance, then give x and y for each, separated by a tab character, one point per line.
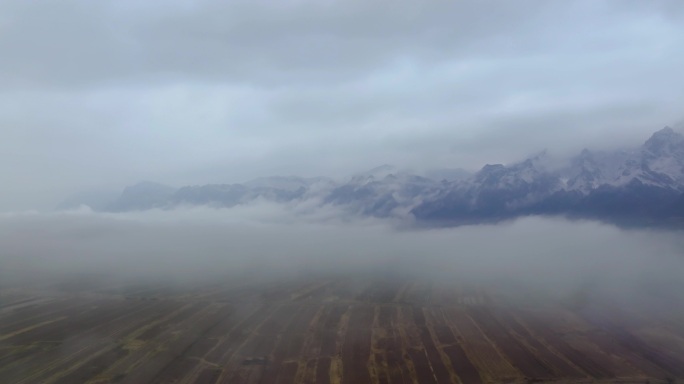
553	258
103	94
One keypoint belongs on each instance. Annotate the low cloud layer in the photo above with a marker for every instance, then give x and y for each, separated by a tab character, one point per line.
548	256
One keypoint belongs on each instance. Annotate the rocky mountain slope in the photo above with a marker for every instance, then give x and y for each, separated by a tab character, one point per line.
640	185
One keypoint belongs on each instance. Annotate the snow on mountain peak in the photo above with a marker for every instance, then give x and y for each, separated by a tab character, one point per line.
385	190
664	141
659	162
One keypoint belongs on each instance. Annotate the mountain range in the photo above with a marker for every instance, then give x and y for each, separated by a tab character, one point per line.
639	186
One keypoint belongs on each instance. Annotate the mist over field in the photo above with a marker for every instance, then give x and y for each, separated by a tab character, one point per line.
550	256
341	192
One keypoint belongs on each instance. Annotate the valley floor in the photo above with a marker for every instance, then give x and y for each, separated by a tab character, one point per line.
328	330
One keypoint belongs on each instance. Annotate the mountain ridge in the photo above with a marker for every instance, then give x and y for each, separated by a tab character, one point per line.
644	183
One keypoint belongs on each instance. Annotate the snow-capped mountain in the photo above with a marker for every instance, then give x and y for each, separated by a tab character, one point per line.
149	195
587	172
381	193
641	183
645	183
660	162
288	183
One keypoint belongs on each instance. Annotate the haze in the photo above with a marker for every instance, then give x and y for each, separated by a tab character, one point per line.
104	94
322	280
553	257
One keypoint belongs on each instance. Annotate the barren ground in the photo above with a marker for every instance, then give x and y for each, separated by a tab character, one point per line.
327	330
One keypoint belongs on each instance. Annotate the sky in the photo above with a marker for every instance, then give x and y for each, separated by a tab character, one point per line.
103	94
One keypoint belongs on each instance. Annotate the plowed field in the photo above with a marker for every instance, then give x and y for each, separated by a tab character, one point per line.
332	330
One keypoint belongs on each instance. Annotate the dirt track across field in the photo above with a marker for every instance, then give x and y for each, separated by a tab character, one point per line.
319	331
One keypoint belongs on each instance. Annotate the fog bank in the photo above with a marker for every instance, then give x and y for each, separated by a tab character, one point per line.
553	256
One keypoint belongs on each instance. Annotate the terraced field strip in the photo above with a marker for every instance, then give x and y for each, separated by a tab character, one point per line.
579	333
25	305
464	369
128	323
460	367
379	336
577	357
137	350
645	356
437	366
51	352
125	331
388	350
254	357
14	358
185	366
286	353
313	367
110	336
662	338
641	366
170	345
329	331
480	350
229	359
82	321
355	351
92	367
412	352
31	327
208	376
314	364
9	300
329	328
72	344
179	369
516	352
606	352
561	367
614	338
230	341
40	312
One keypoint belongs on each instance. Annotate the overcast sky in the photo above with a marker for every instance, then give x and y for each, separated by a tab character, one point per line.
107	93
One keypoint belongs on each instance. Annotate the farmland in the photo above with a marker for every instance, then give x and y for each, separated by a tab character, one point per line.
333	329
